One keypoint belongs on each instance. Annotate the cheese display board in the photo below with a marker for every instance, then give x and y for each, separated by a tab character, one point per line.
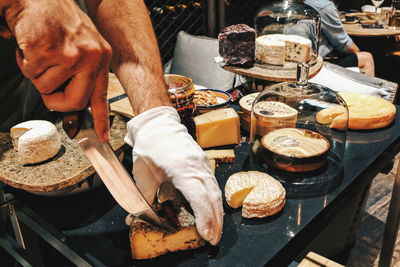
275	73
69	167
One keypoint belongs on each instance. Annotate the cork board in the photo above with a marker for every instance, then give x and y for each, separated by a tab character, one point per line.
275	73
69	167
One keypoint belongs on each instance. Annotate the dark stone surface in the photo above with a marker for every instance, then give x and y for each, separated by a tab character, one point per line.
272	241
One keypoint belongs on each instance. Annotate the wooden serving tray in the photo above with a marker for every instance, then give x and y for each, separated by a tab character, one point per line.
275	73
69	167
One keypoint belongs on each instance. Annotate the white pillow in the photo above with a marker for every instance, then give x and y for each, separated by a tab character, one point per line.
194	58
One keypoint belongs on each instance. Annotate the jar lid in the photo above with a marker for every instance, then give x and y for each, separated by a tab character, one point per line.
177	84
247	101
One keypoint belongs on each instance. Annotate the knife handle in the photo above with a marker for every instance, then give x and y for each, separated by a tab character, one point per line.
73	122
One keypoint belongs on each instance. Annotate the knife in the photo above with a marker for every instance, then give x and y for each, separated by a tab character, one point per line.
79	126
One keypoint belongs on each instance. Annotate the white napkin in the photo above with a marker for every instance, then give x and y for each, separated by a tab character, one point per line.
340	83
369	8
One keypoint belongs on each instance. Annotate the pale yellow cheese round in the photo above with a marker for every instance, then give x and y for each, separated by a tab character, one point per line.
365	112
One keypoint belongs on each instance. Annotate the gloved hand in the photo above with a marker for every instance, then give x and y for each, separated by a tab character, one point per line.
164	151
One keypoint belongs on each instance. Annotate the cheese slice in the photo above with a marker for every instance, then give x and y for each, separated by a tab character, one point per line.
259	193
365	112
221	155
217	128
35	141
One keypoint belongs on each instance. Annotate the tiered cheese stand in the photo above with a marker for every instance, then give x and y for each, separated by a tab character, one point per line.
286	139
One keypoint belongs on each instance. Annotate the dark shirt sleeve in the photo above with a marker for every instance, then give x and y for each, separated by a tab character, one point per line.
332	29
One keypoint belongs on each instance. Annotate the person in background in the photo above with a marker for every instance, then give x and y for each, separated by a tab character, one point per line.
336	46
65	55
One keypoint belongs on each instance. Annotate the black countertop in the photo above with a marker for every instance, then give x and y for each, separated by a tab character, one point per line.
94	224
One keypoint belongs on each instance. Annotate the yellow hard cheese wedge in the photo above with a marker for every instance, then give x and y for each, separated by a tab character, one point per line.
217	128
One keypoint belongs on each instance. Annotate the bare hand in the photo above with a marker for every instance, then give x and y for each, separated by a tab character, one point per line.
64	55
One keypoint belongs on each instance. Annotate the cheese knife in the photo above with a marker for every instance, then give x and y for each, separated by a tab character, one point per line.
79	126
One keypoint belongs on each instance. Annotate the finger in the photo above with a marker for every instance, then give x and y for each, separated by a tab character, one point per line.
52	79
75	96
34	65
214	194
99	105
197	196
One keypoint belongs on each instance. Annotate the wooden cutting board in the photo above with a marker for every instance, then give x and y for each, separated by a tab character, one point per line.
69	167
115	89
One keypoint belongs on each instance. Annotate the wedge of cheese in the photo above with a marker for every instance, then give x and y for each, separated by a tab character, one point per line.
259	194
150	241
270	51
365	112
276	49
217	128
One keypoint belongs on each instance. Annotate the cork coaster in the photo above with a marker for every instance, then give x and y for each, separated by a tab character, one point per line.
69	167
274	73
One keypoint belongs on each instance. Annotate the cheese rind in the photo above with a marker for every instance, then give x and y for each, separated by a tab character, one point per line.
217	128
259	193
35	141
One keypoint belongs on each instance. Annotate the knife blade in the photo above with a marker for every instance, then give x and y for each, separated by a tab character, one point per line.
79	126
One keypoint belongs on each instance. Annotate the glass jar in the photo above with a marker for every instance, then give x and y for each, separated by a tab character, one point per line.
294	138
181	93
293	22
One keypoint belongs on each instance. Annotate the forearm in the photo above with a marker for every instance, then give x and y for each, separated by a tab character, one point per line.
352	48
136	60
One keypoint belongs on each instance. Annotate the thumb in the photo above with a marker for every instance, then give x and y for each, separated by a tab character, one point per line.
147	177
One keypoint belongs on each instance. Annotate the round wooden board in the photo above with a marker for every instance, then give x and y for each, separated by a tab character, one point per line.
69	167
275	74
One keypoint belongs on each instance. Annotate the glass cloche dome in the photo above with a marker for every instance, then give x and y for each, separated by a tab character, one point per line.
290	24
298	135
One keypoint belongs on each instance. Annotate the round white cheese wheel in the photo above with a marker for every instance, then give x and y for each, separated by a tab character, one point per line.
259	193
35	141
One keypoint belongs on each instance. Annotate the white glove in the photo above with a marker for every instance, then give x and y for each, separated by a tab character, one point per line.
164	151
